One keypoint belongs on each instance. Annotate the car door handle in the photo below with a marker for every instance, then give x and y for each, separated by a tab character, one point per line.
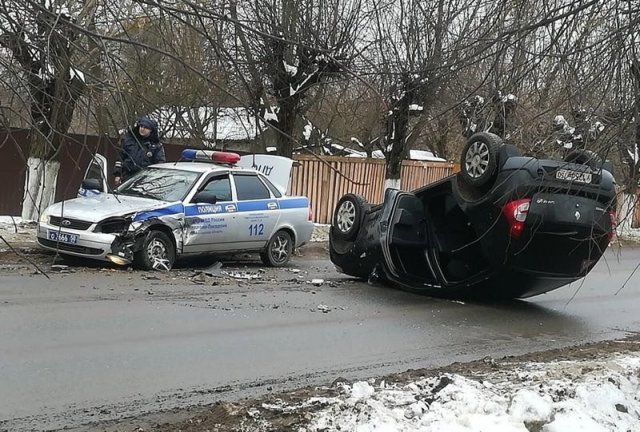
272	206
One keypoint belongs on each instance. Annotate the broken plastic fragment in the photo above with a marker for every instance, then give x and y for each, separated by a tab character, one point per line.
213	269
161	264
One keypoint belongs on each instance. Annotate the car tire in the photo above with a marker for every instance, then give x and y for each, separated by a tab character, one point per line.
478	161
158	252
279	250
584	157
347	216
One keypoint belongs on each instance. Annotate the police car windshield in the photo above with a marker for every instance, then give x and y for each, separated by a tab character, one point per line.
159	183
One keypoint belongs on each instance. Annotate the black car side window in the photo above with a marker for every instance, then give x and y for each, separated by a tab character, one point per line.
249	187
220	187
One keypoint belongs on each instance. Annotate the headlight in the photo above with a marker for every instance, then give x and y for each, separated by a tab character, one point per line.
44	216
115	225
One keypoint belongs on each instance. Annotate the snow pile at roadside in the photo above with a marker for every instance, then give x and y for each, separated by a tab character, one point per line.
15	230
320	233
588	396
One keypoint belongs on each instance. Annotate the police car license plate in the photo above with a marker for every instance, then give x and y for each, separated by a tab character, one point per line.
63	237
576	176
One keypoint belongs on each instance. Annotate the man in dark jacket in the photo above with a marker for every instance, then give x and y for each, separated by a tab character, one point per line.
141	147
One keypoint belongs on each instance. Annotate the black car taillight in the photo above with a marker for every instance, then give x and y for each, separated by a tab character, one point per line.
516	214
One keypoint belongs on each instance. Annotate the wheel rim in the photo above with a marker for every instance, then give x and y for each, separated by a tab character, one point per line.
280	249
158	254
477	159
346	216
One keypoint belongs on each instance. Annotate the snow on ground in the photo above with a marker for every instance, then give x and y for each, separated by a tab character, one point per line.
588	396
15	230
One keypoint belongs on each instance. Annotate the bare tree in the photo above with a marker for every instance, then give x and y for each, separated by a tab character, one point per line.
43	44
419	48
292	49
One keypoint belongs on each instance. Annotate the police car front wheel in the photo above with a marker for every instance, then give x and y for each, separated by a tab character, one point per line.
279	250
157	253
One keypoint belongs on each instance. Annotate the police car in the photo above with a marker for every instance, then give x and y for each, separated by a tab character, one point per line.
205	203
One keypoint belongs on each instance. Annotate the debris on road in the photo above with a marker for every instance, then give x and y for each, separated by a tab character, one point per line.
242	275
324	308
199	278
214	269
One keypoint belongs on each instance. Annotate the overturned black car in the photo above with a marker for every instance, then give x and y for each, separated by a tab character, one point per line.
506	226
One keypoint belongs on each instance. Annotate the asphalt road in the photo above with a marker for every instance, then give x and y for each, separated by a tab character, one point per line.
92	344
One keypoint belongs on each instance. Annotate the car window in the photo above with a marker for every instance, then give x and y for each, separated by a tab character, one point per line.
220	187
95	171
159	183
274	190
249	187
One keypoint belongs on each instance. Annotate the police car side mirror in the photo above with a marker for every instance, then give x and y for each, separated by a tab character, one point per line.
205	197
92	183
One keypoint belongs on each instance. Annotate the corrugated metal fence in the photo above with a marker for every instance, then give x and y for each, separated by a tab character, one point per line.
325	179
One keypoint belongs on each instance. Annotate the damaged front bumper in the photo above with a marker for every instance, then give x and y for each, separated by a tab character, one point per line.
82	243
118	248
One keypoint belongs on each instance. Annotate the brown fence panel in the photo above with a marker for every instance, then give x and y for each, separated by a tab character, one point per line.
76	153
14	150
325	179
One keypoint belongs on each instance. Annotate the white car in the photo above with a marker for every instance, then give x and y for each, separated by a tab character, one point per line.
205	203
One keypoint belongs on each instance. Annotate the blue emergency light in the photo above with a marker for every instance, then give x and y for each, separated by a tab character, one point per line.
227	158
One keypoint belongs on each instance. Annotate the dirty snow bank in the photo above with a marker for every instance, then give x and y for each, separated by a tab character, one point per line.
15	230
587	395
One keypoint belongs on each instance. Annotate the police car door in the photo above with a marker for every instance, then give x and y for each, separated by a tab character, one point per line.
95	177
210	224
258	209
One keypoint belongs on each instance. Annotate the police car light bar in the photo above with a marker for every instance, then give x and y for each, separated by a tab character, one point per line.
227	158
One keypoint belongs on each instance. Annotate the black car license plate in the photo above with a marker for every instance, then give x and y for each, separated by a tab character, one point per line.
63	237
576	176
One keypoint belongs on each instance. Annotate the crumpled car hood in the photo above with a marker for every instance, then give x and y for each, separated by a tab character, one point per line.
99	207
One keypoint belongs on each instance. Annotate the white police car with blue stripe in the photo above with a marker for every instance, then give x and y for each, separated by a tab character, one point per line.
204	203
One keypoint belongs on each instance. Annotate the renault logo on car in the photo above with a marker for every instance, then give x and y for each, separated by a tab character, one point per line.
66	222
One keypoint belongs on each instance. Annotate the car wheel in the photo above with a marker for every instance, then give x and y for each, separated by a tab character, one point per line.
584	157
479	158
158	252
279	250
347	215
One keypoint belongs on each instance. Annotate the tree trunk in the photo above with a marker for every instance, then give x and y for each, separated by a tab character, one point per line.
286	125
396	135
40	186
46	141
626	213
632	183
